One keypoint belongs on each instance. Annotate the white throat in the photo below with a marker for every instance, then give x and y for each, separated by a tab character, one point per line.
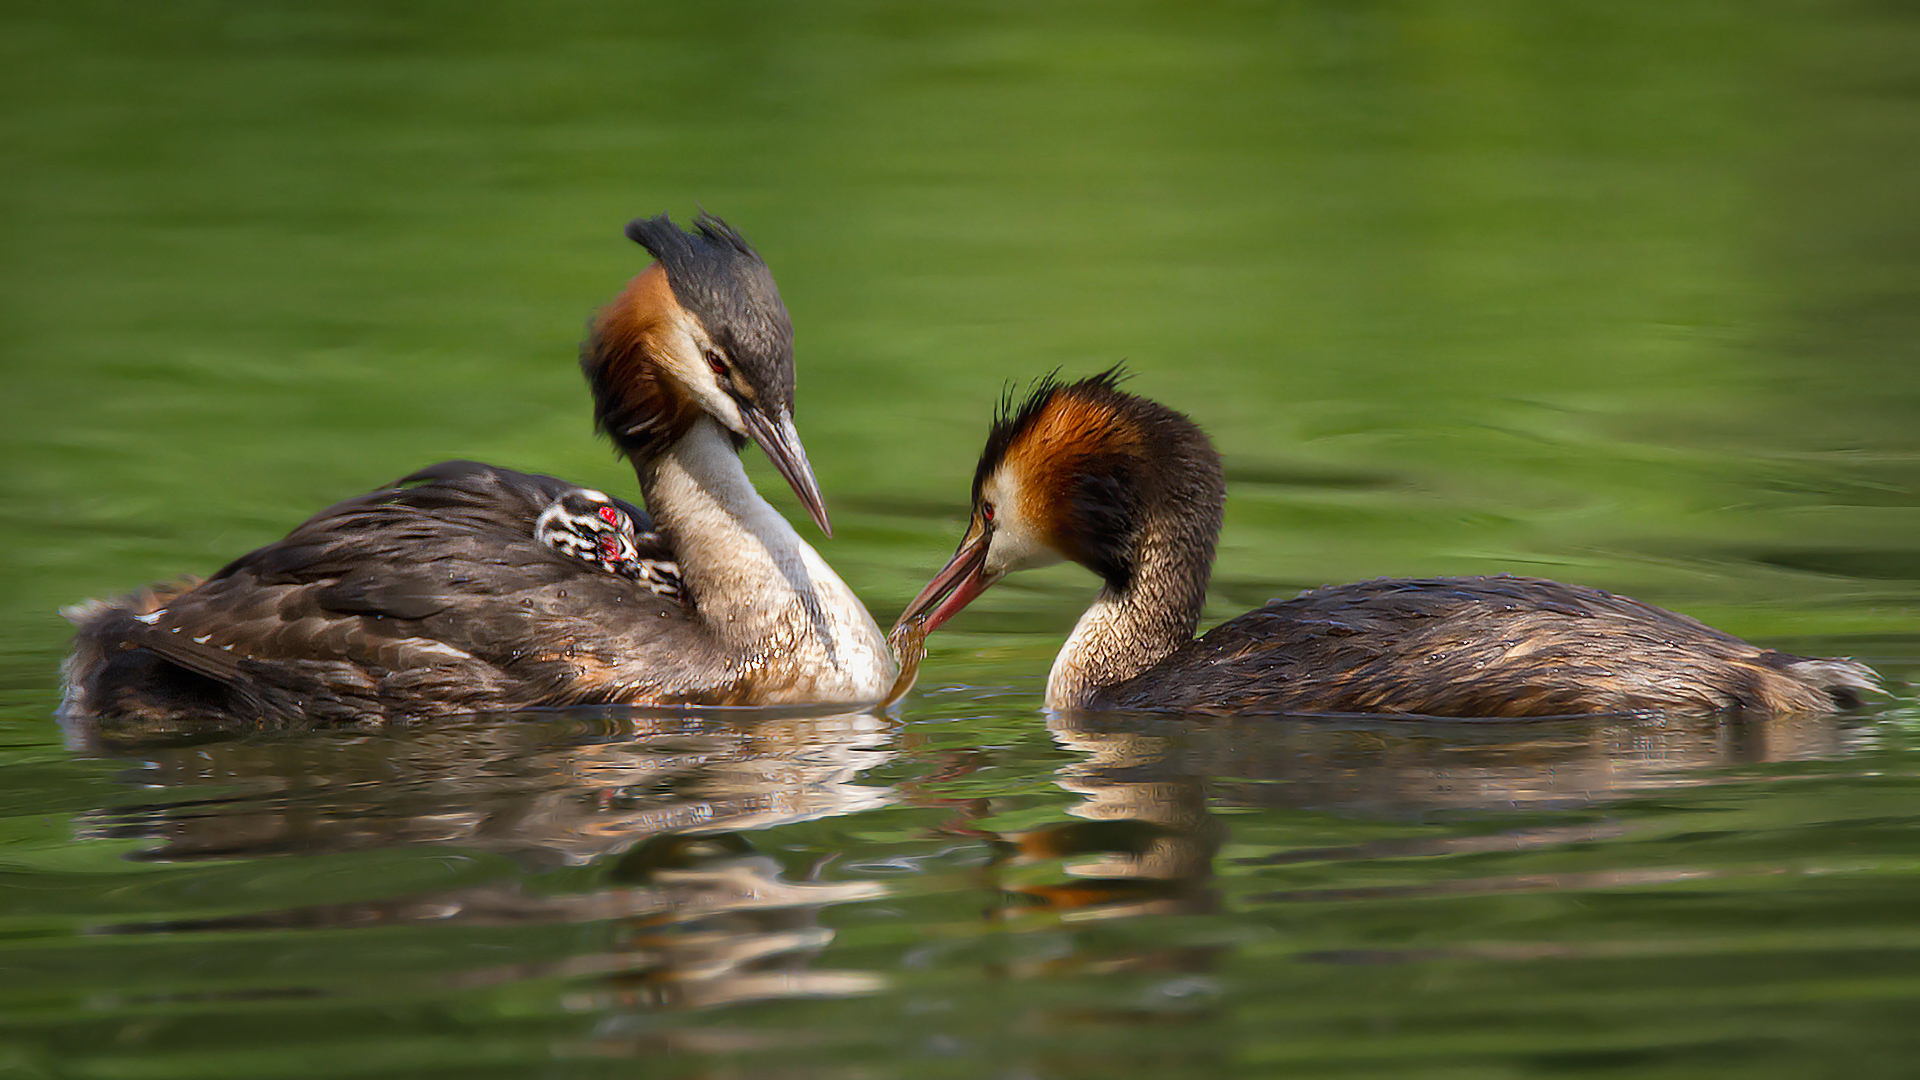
1124	632
1097	654
777	609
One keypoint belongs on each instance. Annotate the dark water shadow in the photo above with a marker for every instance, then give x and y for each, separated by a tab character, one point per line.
1393	768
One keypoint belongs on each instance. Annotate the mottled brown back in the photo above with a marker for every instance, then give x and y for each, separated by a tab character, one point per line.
427	597
1480	646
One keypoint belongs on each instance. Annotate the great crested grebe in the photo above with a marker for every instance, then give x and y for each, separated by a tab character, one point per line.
466	587
1133	491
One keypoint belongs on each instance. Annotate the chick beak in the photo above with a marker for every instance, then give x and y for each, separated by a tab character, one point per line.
782	445
954	587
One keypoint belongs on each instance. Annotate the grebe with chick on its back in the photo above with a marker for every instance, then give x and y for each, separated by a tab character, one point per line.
469	587
1133	491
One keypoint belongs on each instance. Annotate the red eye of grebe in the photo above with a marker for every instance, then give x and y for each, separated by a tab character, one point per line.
609	515
718	365
986	513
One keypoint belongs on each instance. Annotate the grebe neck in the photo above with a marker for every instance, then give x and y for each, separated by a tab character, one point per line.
776	609
1136	623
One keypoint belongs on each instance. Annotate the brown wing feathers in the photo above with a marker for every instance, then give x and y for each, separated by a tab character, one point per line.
1489	646
423	594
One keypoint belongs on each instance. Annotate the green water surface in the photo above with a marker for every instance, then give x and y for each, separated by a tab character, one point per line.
1626	294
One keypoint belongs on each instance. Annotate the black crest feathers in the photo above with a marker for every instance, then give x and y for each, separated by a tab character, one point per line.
667	242
1015	416
719	278
1103	462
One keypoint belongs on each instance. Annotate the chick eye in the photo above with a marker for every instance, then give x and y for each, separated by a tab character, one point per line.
610	549
717	363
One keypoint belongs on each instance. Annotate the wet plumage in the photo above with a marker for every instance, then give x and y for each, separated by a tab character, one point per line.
1480	646
432	595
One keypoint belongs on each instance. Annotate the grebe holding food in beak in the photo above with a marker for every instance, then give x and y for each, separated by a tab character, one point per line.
1133	491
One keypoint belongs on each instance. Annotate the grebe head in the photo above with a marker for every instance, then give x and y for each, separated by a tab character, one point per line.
592	527
701	330
1073	472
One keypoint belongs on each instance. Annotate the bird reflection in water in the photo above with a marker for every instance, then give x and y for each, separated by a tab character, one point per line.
662	809
652	831
1148	836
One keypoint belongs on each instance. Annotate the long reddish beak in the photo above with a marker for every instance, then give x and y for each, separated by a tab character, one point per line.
955	586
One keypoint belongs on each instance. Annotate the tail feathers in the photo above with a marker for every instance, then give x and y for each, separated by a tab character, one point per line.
122	664
86	611
1844	678
140	602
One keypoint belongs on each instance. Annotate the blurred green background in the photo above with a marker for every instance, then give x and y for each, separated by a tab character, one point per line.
1622	293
